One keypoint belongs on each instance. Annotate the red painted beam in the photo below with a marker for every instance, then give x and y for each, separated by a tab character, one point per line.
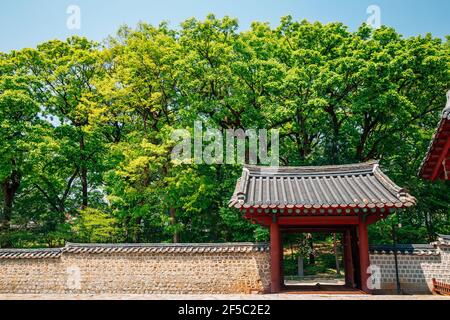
318	221
441	158
373	218
251	212
330	229
330	222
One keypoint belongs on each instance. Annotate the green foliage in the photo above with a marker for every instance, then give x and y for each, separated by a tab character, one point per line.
93	225
85	128
325	265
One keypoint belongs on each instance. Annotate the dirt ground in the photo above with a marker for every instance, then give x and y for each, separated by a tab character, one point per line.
281	296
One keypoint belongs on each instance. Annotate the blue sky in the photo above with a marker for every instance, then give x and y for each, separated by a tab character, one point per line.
25	23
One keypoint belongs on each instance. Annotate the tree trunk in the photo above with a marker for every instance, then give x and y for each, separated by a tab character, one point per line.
138	230
338	269
173	221
83	173
335	137
292	251
429	226
312	259
10	186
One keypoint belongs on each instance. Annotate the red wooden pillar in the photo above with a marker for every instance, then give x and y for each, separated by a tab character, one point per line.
275	257
364	261
348	260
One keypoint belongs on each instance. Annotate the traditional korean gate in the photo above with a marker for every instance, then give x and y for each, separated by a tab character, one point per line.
345	197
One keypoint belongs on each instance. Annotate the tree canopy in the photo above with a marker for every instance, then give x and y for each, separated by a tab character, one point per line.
85	127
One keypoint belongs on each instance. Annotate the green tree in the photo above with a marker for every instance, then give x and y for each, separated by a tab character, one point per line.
86	128
93	225
66	72
18	121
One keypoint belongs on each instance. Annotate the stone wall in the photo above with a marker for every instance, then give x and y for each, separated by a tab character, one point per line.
192	268
417	265
137	268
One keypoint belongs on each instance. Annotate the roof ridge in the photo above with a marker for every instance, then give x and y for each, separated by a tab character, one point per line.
324	168
386	181
94	248
30	249
181	245
401	193
413	249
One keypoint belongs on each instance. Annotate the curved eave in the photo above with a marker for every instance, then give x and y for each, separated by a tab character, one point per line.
398	205
437	159
398	197
431	167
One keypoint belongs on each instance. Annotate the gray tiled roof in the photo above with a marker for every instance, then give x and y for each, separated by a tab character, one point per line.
354	185
132	248
416	249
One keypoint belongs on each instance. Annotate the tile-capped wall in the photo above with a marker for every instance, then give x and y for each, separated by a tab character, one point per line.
189	268
416	267
137	268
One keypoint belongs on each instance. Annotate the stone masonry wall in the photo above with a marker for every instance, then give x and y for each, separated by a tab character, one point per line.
143	268
187	268
416	269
